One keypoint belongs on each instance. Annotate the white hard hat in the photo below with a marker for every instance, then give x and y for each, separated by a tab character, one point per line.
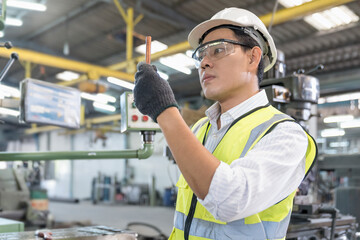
242	18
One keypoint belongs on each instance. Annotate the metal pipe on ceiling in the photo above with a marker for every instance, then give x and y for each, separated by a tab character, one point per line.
63	63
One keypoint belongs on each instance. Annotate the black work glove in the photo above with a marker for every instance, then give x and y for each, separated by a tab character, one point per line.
152	94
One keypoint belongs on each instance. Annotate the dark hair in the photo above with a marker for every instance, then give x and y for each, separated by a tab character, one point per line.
244	38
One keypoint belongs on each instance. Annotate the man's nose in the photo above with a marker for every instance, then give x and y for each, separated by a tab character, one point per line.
206	62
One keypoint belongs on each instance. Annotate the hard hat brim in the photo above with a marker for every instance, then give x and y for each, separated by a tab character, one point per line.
201	28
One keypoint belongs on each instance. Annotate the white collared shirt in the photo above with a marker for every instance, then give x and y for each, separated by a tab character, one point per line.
269	172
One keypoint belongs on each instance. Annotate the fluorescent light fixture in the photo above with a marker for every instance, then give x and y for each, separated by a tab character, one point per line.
8	111
156	46
26	5
122	83
67	75
107	97
7	91
332	18
179	62
332	132
292	3
3	165
100	98
351	124
343	97
104	107
338	118
321	100
1	34
163	75
340	98
13	22
339	144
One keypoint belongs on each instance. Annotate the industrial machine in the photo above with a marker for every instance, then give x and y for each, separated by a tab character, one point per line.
343	187
89	233
18	202
295	95
317	221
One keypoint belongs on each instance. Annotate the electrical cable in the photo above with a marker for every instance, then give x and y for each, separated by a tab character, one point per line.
273	15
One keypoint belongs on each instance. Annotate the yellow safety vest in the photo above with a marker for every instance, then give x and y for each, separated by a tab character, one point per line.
272	223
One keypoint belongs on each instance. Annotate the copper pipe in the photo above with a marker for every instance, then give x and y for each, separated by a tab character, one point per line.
148	49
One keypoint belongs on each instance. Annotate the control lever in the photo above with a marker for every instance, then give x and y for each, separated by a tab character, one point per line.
14	56
334	212
7	45
315	69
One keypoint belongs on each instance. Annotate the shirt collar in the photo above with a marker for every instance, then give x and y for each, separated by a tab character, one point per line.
258	100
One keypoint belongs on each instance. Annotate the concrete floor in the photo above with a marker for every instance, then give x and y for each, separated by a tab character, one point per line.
117	216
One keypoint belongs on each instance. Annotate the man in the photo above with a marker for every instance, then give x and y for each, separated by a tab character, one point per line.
241	169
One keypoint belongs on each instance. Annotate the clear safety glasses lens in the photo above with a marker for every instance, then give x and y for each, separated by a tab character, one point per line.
213	50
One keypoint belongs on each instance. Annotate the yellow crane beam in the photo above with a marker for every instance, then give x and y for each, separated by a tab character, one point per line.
63	63
303	10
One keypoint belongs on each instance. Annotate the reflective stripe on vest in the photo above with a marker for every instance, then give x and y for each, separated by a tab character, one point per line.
238	228
259	130
271	223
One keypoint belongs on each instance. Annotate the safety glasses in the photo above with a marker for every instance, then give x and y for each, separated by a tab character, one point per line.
215	50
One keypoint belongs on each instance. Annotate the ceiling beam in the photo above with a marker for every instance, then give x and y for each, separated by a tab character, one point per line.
94	71
339	82
335	56
287	14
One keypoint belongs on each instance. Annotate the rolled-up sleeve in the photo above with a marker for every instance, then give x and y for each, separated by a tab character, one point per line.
269	172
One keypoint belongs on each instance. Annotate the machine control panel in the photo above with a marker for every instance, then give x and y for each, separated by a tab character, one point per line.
131	118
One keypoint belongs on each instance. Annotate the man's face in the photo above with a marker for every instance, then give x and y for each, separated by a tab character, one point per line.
228	77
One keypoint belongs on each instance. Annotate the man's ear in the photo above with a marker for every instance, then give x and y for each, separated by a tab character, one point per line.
254	57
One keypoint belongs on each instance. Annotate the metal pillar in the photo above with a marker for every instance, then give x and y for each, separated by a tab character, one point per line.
130	24
27	69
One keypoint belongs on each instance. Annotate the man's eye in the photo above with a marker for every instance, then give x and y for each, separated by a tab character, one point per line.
218	50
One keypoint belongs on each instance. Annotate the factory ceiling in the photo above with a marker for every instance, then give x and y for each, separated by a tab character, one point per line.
94	32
